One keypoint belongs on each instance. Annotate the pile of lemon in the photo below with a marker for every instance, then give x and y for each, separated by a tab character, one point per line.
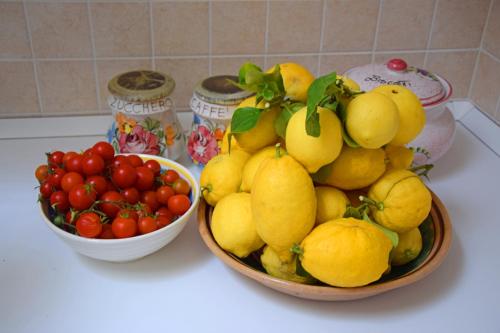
315	208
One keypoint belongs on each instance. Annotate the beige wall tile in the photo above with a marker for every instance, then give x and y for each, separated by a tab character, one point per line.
67	86
14	42
180	28
17	88
121	29
404	24
486	86
455	67
350	25
294	26
231	66
492	33
238	27
341	63
186	73
60	30
309	62
459	24
107	69
412	59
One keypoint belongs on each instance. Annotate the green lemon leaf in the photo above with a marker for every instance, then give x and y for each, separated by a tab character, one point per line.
246	68
393	236
322	174
287	111
315	95
244	119
348	140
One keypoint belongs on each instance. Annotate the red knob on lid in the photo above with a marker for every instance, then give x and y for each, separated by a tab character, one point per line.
397	65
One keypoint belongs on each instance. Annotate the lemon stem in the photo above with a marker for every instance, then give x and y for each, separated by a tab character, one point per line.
378	204
297	249
278	152
206	188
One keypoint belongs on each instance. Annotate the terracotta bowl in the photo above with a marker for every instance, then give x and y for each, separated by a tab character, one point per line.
436	234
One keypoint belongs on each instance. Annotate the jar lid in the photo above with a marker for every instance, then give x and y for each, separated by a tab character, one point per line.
430	88
141	85
219	90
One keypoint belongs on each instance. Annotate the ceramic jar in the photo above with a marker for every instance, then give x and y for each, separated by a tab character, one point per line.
433	91
144	117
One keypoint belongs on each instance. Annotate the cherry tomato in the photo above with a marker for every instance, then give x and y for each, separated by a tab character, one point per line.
153	166
113	202
135	160
70	180
88	152
181	186
120	160
74	163
55	177
179	204
124	176
125	212
82	196
149	198
55	158
92	165
59	200
170	176
131	195
105	150
146	225
99	184
163	217
163	193
143	210
42	172
46	190
145	178
110	186
107	232
124	227
67	157
88	225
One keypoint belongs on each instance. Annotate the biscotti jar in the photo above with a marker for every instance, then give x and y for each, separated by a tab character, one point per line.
144	117
213	103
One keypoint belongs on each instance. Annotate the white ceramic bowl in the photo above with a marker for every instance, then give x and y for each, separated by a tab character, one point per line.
128	249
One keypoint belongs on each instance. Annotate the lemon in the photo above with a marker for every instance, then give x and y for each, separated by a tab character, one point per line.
233	227
372	120
411	112
409	247
399	157
263	134
222	175
314	152
346	252
331	203
225	141
356	168
296	80
282	270
283	204
350	83
253	164
402	200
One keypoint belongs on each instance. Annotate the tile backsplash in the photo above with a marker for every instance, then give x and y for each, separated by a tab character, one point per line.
56	56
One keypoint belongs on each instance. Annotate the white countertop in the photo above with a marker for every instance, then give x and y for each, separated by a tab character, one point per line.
46	287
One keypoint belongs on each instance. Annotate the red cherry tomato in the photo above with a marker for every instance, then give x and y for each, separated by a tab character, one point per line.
143	210
92	164
105	150
70	180
99	184
82	196
120	160
149	198
88	225
124	176
146	225
170	176
67	157
124	227
125	212
112	203
59	200
179	204
153	166
55	158
46	190
107	232
135	160
181	186
145	178
55	177
163	193
131	195
42	172
74	163
163	217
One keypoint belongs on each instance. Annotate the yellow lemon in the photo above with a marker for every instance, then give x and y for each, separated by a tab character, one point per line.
356	168
399	157
253	164
411	112
331	203
314	152
346	252
409	247
283	204
225	141
282	270
372	120
296	80
233	226
263	134
402	200
222	175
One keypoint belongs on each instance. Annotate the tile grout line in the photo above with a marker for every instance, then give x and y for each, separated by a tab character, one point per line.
377	28
478	137
494	57
210	51
152	36
321	36
497	112
431	29
33	59
266	34
94	60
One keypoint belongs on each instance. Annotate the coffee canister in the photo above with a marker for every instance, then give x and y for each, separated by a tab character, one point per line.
144	117
213	103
